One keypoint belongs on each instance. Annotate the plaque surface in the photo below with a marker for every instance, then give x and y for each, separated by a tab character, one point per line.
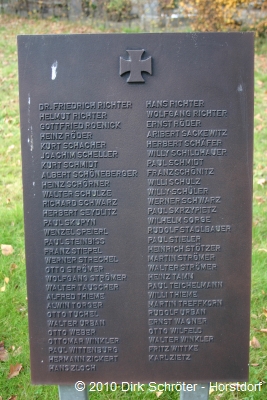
137	168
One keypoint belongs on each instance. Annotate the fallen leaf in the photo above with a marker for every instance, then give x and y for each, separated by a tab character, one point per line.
263	330
3	288
254	365
265	312
265	250
258	116
6	279
18	351
255	343
158	394
13	397
7	249
13	266
3	352
259	166
259	128
10	148
14	370
261	181
260	199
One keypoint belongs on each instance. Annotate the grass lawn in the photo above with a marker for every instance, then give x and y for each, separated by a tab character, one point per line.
13	297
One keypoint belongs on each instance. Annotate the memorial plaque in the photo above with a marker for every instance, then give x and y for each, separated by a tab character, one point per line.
137	171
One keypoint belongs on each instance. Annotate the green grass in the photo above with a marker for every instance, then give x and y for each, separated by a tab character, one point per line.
13	300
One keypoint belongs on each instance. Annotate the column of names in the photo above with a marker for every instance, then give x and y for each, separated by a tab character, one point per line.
78	171
182	155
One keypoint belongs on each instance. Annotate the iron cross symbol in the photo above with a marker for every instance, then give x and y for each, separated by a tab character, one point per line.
135	66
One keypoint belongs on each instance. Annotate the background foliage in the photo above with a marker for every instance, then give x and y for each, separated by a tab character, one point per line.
201	15
14	347
225	15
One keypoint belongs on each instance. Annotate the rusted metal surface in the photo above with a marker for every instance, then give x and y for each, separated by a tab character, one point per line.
137	169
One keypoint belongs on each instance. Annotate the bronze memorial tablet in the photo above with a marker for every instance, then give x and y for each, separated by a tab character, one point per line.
137	174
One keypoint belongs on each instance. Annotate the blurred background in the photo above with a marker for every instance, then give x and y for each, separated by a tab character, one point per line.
201	15
128	16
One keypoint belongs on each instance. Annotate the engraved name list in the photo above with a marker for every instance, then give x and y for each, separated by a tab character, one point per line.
137	165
